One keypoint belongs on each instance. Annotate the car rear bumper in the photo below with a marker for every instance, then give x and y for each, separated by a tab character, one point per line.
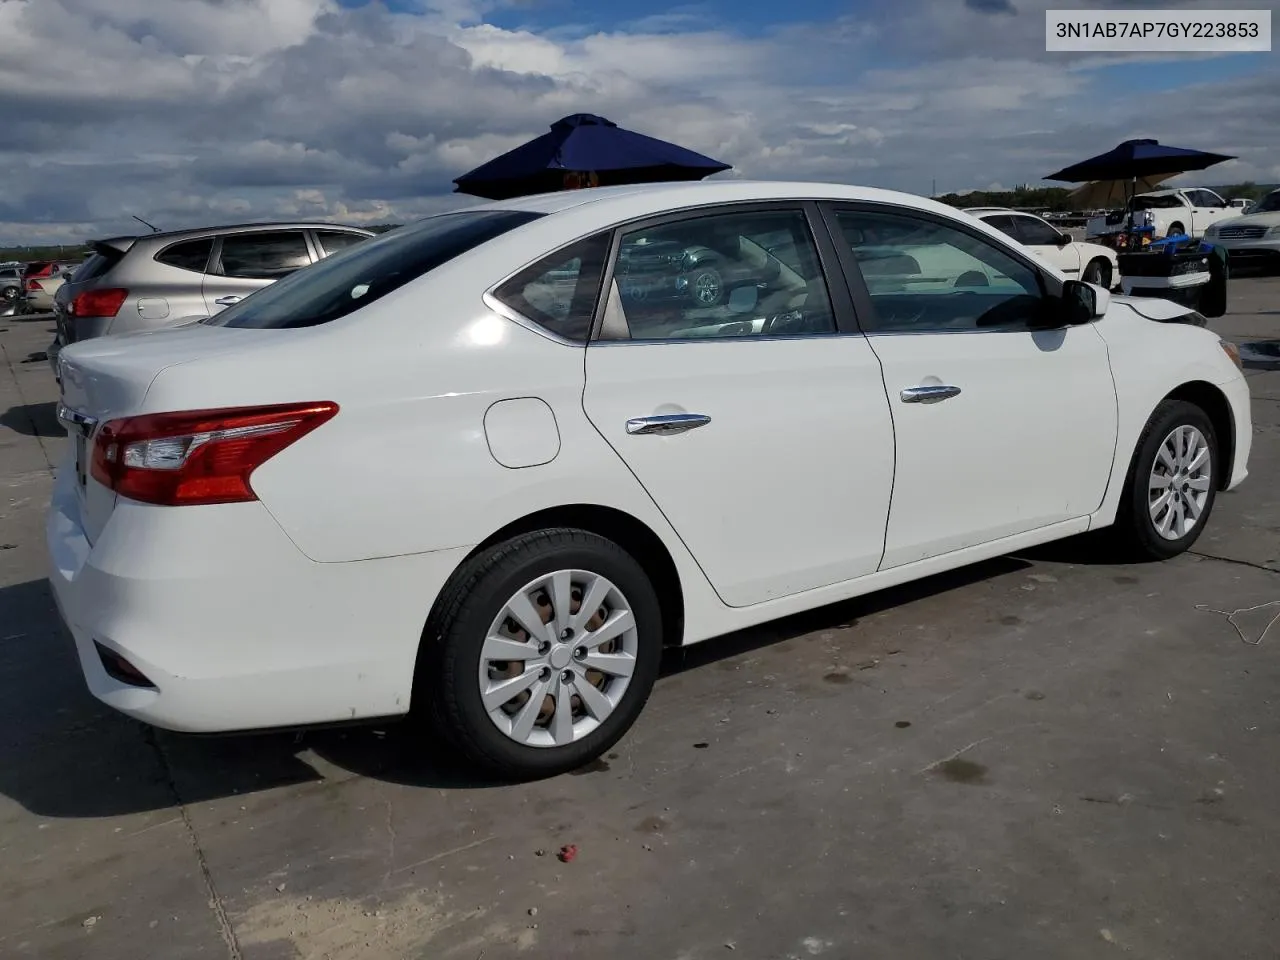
231	625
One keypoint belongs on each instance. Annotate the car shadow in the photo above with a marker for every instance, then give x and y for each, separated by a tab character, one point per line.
65	755
33	420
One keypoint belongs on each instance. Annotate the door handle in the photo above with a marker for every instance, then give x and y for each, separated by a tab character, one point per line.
666	424
932	393
226	301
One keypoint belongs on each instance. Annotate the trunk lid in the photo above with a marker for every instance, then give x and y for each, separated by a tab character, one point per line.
109	377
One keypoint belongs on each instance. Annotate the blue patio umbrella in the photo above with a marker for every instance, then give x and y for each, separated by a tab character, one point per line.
580	151
1138	158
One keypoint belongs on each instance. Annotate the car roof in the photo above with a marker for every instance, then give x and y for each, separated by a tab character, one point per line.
197	232
1006	211
656	198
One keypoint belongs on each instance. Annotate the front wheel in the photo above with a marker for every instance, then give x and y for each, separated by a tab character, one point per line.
706	287
1176	229
1172	483
1098	272
541	653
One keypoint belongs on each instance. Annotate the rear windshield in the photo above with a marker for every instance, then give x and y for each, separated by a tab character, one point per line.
347	281
100	261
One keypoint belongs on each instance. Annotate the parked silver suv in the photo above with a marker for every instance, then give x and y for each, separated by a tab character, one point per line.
160	279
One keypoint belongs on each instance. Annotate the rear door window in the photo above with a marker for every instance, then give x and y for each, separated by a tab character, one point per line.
337	286
264	256
189	255
332	241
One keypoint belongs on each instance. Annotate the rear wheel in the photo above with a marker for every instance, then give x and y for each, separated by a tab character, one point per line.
1172	483
541	654
10	294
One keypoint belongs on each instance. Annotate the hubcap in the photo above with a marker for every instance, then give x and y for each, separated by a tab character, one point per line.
558	658
1180	482
706	288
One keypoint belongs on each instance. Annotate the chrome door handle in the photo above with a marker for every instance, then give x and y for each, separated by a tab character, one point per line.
929	394
226	301
666	424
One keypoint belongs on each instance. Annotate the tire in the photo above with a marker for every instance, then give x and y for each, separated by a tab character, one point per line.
1098	272
1136	532
455	658
1176	229
706	287
10	294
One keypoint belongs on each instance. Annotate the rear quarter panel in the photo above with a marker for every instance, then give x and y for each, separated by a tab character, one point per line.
405	467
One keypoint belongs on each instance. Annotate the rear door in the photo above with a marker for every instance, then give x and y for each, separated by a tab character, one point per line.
745	400
249	261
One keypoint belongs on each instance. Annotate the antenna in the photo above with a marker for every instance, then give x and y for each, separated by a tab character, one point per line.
154	228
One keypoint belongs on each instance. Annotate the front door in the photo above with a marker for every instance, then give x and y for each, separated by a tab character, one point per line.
730	380
1002	426
245	262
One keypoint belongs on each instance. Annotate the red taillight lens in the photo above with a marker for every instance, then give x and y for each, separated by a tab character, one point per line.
198	456
99	303
33	286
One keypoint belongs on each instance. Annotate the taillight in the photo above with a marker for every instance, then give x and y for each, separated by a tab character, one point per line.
198	456
99	303
33	286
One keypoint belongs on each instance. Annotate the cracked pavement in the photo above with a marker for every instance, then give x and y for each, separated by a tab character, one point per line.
1045	755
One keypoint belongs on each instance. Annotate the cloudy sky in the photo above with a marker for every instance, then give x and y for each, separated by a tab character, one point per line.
186	112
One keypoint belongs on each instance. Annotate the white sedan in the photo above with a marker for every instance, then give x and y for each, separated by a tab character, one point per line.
1090	262
458	473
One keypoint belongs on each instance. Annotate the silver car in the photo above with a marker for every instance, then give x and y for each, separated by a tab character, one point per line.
160	279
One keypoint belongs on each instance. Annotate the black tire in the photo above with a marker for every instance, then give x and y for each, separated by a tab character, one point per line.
706	287
1098	272
1176	229
1135	532
446	693
10	294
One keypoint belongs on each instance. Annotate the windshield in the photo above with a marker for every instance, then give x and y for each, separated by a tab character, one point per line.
1268	204
1165	202
347	281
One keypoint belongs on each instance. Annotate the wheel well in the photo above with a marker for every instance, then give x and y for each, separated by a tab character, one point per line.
627	532
1103	262
1214	403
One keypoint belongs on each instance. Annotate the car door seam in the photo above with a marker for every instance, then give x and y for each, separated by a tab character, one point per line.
627	466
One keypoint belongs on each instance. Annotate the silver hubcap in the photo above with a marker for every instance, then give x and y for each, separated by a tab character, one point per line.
1179	485
558	658
706	288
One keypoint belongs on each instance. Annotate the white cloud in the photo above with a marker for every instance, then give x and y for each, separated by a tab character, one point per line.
185	112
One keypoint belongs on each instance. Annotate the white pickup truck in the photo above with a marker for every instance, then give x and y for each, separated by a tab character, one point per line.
1188	211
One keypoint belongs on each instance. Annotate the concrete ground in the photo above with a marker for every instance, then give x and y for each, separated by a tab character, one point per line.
1043	756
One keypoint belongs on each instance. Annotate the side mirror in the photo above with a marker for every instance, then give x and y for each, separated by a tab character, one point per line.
742	299
1063	239
1083	302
